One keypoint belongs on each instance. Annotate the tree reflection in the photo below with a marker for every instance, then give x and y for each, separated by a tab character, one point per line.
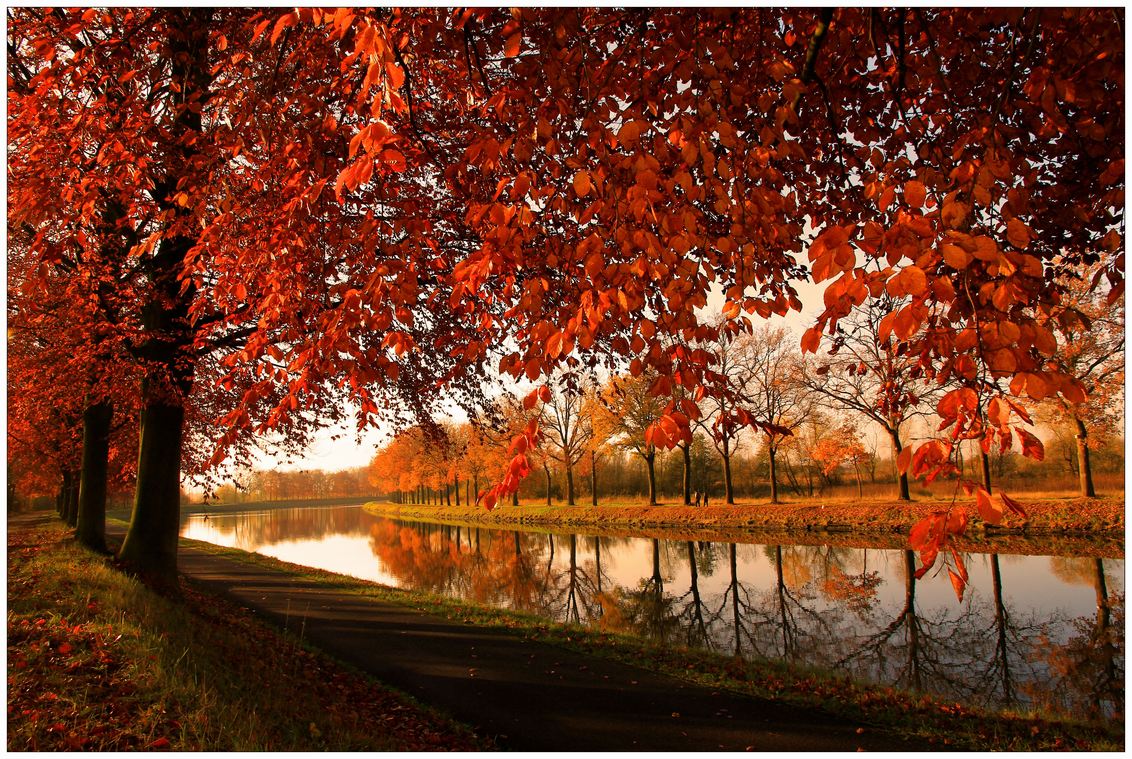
913	651
855	592
572	592
736	602
814	604
693	613
647	610
1088	668
788	622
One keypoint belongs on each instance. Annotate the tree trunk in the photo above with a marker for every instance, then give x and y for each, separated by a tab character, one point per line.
515	497
91	521
456	487
984	459
650	461
150	546
546	471
13	497
70	497
593	478
901	477
569	484
860	486
687	450
448	495
1084	467
728	491
771	452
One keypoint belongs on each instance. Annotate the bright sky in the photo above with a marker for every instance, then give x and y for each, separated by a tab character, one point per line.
347	452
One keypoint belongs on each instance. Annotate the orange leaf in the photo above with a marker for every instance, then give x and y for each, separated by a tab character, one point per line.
811	340
915	193
511	47
957	583
1017	233
991	513
582	184
955	257
1031	446
1013	505
903	460
921	532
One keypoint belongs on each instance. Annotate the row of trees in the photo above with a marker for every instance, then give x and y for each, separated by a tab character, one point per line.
228	222
804	413
305	484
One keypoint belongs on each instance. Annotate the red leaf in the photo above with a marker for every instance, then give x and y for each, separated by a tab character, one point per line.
903	459
990	513
511	47
1031	446
811	340
915	193
957	583
1013	505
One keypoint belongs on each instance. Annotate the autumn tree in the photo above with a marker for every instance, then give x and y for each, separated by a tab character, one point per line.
602	426
567	430
631	411
1092	352
332	200
727	387
839	447
773	391
872	376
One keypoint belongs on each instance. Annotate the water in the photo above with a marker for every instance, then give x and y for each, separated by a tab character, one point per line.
1031	630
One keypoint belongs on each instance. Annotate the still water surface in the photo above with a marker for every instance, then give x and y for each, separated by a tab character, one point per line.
1032	630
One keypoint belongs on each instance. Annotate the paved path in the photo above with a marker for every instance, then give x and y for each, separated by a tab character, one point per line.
526	694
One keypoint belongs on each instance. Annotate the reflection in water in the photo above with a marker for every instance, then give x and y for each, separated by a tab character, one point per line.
1045	631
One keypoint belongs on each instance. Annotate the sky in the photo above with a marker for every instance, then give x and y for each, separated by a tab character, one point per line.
339	447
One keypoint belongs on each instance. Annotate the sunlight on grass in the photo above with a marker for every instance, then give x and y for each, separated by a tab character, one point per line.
97	661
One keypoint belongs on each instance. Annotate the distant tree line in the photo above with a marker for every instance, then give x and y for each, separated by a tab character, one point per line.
772	421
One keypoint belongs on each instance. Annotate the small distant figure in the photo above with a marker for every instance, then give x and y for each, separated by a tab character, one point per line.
705	499
698	499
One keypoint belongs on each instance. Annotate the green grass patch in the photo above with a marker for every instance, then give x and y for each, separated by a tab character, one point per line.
99	662
924	718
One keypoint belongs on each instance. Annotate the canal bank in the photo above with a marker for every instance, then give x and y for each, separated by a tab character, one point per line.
1100	519
1092	528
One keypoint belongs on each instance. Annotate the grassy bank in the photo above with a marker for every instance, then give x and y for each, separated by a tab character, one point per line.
1093	517
934	722
99	662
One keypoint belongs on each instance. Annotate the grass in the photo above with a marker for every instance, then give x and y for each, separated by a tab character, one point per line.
99	662
922	717
1095	518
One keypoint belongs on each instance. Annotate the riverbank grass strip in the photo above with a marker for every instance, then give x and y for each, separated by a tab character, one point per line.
1091	517
924	718
99	662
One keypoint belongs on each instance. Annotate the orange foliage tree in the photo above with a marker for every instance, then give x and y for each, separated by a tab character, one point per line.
331	202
